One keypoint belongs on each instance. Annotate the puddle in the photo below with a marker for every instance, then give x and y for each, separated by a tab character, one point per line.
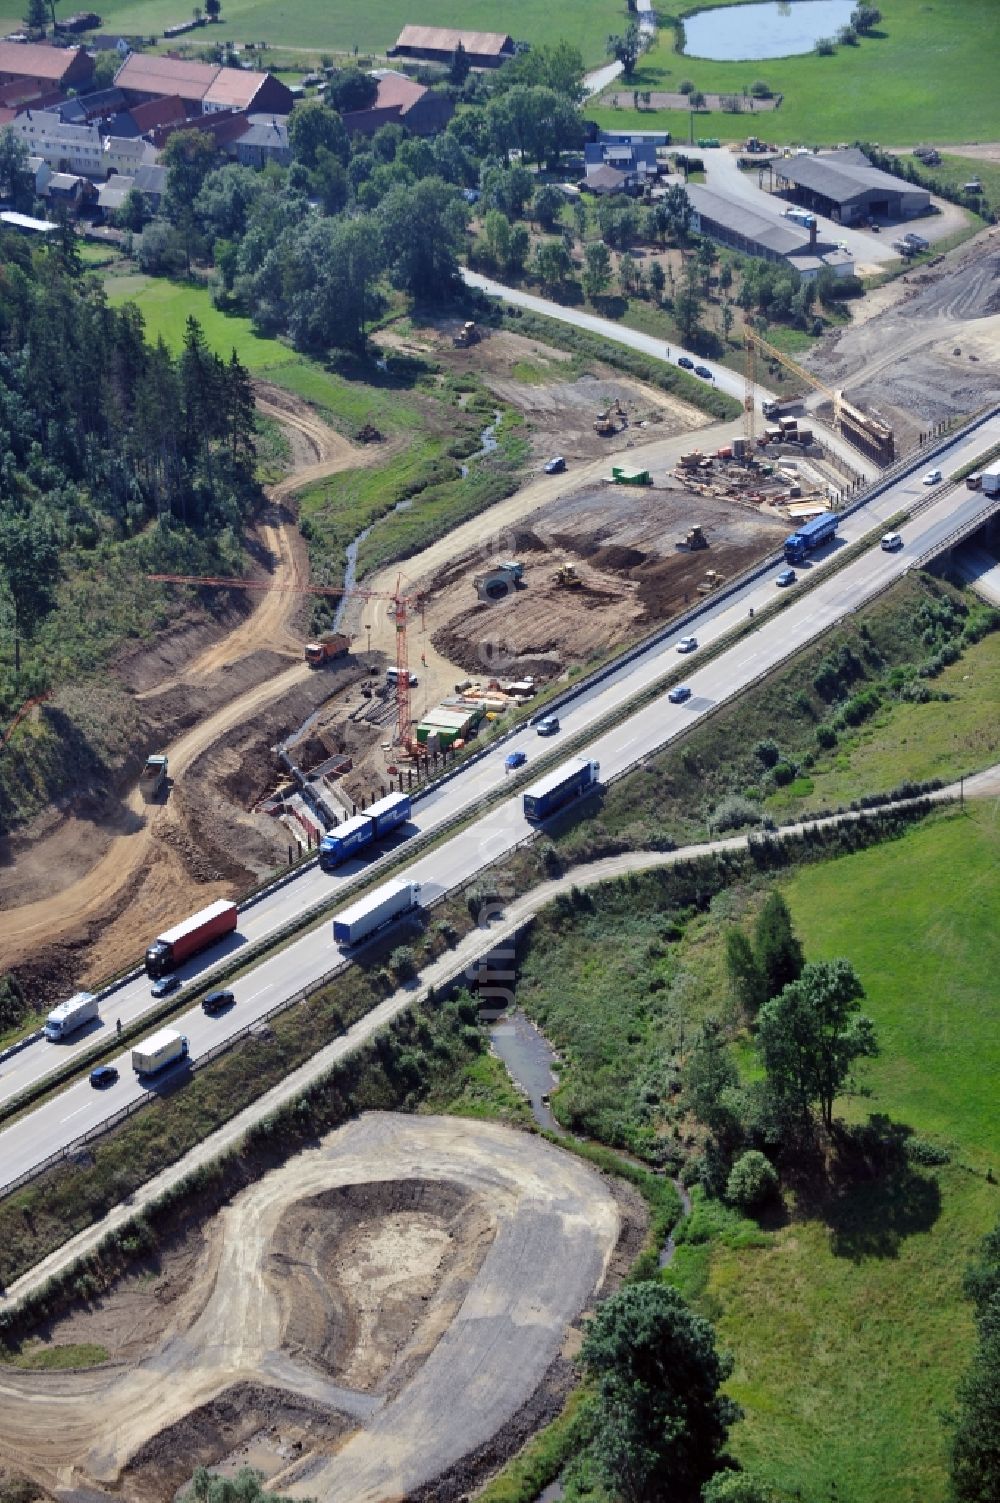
528	1056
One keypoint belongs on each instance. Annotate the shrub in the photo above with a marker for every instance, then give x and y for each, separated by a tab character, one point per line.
760	89
826	736
825	47
733	812
404	963
753	1180
767	753
685	86
783	773
921	1151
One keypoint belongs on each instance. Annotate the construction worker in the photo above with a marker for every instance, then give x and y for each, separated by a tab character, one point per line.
118	1027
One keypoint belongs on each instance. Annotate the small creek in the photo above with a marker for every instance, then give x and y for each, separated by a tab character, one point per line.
488	443
529	1058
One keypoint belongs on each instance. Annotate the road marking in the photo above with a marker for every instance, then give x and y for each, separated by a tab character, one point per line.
268	988
76	1113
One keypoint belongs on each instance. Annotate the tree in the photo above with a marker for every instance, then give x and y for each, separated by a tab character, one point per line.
496	229
727	315
660	1413
213	9
746	981
36	17
864	18
460	66
709	1076
351	90
547	205
696	99
189	156
246	1487
687	304
552	262
329	182
422	228
596	268
626	48
314	127
735	1487
520	247
778	952
657	280
16	181
133	213
753	1180
106	65
810	1035
29	567
706	260
975	1447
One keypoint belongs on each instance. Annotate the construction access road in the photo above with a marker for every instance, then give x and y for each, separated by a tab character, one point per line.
480	1343
52	1127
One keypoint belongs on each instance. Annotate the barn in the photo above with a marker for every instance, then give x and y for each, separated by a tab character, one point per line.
843	185
438	44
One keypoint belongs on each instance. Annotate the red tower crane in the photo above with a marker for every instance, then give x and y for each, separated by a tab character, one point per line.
401	604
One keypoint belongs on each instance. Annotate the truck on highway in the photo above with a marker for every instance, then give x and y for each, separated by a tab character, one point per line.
171	948
153	776
558	788
158	1051
810	535
363	830
333	644
373	912
69	1016
989	480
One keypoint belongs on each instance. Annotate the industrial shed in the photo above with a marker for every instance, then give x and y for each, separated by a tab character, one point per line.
843	185
733	223
438	44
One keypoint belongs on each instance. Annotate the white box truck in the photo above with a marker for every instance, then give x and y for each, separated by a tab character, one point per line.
373	912
159	1051
989	480
69	1016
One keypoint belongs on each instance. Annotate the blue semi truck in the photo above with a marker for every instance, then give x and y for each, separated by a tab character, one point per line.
809	536
356	834
551	793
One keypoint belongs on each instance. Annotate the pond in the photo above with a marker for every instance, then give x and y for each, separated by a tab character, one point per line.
779	28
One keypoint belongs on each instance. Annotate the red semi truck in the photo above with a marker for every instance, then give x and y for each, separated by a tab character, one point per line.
171	948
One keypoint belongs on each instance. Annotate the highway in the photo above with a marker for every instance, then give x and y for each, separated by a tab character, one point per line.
75	1111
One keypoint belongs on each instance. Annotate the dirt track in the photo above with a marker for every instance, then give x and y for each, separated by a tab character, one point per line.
482	1245
145	848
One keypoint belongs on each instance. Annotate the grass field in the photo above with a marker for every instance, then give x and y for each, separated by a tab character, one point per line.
340	26
928	76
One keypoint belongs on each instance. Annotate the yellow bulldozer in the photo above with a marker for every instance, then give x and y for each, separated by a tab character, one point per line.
566	577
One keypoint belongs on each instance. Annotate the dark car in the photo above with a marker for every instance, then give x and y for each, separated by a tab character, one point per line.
216	1001
685	364
555	466
165	986
103	1076
679	695
785	578
515	759
548	726
704	372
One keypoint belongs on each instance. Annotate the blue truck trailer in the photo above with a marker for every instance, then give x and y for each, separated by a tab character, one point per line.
356	834
558	788
810	535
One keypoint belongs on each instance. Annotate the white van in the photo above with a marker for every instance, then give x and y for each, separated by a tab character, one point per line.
392	677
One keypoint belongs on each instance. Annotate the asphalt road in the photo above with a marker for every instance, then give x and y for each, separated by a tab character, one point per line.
59	1122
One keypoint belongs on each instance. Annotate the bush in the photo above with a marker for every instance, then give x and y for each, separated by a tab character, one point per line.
767	753
826	736
752	1182
783	773
760	89
733	812
685	86
921	1151
825	47
404	963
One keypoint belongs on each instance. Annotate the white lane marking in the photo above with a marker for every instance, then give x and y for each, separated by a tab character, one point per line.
268	988
76	1113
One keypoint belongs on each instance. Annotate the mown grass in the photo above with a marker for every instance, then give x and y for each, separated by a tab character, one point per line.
926	76
167	305
918	919
35	1356
343	26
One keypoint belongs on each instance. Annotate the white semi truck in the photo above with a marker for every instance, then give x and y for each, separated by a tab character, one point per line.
69	1016
158	1051
379	908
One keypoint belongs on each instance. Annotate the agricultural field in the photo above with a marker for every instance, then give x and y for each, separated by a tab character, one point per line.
312	26
926	75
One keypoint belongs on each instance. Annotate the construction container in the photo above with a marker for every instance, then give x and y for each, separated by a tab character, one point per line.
805	435
788	424
621	476
741	448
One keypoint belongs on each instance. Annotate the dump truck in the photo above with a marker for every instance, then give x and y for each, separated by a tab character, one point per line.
605	425
811	535
171	948
373	912
158	1051
355	835
69	1016
560	788
153	776
325	649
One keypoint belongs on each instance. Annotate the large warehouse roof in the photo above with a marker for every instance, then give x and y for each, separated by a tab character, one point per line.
736	217
445	39
841	175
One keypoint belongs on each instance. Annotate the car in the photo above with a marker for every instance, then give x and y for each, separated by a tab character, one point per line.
933	477
515	759
679	695
687	644
548	726
216	1001
785	578
555	466
704	372
685	364
102	1076
165	986
892	542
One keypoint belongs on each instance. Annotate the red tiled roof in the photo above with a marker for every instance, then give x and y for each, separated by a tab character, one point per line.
234	88
156	112
395	91
34	60
148	74
445	39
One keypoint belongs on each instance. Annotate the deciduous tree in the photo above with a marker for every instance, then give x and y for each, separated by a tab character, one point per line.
626	47
778	952
810	1035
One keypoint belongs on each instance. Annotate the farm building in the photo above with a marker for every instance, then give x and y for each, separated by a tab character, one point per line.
46	68
438	44
401	101
743	229
843	185
203	88
635	160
